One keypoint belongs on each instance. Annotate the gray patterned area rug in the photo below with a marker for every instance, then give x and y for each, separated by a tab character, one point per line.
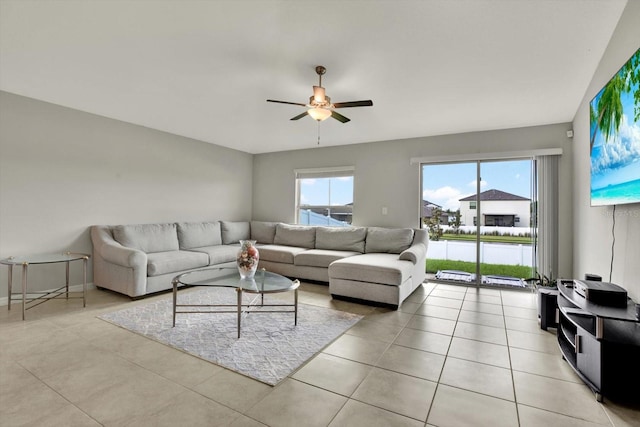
270	346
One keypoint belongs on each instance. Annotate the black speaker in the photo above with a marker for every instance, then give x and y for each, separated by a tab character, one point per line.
547	306
593	277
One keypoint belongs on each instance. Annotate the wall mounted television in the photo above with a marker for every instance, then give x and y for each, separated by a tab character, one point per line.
615	138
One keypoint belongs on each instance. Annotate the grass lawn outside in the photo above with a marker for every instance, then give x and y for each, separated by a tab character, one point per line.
519	271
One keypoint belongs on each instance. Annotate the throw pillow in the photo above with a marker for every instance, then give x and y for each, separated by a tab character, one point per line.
341	239
233	232
295	235
263	232
388	240
148	238
199	234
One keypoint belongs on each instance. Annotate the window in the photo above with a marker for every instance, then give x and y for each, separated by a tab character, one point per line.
324	196
472	205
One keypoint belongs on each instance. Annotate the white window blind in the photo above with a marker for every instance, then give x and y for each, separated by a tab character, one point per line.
546	228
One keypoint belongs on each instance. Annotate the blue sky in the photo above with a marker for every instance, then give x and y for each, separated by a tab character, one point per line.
316	191
447	183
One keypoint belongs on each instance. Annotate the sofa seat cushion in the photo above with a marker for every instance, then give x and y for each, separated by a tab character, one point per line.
320	257
278	253
147	237
386	269
341	238
173	261
219	254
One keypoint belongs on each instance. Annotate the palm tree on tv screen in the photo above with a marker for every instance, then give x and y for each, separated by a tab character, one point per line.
607	115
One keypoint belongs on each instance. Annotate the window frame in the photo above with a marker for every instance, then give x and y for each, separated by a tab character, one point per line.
315	173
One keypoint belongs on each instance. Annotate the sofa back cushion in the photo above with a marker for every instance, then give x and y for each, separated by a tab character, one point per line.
263	232
388	240
341	238
233	232
199	234
148	238
295	235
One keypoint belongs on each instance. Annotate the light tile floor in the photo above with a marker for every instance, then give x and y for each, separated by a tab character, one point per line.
451	356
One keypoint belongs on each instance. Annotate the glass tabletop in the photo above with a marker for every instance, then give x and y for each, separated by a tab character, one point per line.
264	282
44	258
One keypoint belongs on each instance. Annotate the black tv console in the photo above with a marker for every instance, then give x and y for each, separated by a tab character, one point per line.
601	343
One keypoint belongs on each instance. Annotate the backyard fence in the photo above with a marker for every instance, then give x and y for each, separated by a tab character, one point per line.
490	253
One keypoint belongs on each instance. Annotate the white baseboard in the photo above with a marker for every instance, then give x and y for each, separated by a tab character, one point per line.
72	288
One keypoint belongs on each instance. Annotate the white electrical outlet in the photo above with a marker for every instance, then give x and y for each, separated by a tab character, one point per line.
384	210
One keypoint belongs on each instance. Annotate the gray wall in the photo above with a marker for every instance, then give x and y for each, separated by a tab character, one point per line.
62	170
385	177
593	225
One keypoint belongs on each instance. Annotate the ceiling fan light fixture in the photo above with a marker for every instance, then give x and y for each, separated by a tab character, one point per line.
318	94
319	114
320	106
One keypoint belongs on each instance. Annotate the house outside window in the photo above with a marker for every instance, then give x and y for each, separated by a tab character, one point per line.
324	196
499	208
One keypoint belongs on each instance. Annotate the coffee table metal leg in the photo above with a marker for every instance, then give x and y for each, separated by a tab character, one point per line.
24	288
9	284
175	301
66	283
84	281
295	308
239	291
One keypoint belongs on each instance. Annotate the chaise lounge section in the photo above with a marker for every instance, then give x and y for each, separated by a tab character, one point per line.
382	266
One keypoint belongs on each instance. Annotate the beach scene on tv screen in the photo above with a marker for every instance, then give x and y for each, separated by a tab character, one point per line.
615	138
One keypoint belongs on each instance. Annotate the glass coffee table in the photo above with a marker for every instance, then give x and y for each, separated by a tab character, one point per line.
263	283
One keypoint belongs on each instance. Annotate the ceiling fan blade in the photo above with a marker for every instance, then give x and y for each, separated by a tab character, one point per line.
299	116
286	102
339	117
367	103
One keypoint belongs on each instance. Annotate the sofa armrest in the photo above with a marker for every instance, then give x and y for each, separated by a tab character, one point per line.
113	252
123	256
416	252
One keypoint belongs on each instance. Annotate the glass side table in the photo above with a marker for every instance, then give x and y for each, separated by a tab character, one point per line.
36	298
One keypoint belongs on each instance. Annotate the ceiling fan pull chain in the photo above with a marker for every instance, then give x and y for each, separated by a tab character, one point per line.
318	133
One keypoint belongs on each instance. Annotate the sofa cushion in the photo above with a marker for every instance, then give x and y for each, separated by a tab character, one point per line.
295	235
263	232
233	232
219	254
320	257
341	238
199	234
173	261
148	238
277	253
388	240
381	268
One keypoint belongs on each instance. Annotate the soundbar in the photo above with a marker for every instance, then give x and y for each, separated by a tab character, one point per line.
601	293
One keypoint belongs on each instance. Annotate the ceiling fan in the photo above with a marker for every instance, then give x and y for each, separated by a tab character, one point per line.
320	106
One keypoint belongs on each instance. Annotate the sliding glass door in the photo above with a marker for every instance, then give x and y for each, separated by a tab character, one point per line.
480	221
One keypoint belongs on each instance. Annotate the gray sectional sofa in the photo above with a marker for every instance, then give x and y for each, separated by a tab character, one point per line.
378	265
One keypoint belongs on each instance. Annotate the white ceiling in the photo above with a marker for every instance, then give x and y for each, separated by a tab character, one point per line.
204	69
